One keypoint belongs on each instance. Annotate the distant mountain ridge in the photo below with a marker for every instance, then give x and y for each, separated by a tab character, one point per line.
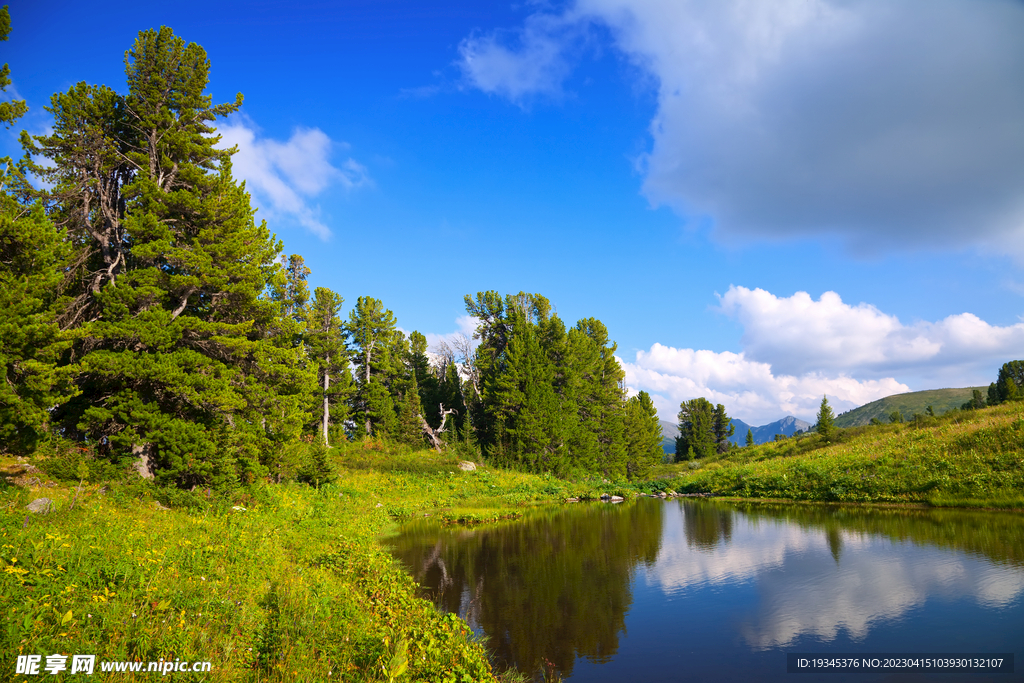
788	425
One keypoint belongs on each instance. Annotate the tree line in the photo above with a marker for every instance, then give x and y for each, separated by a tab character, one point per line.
148	315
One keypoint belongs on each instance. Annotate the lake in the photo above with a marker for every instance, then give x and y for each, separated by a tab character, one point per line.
701	590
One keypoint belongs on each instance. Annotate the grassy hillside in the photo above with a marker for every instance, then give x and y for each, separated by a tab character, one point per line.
971	458
941	400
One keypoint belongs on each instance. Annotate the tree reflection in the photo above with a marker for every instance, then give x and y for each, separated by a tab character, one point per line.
544	590
706	526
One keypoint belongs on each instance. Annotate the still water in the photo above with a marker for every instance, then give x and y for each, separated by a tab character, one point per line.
705	591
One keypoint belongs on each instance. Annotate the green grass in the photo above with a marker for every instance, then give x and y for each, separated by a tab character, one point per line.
296	587
941	401
962	459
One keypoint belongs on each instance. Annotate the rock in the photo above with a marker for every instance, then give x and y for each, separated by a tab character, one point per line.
606	496
40	505
572	500
616	499
662	495
467	466
142	463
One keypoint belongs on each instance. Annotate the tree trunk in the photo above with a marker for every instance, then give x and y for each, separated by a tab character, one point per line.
327	407
143	463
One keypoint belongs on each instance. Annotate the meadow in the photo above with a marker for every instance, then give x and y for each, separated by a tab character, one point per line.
960	459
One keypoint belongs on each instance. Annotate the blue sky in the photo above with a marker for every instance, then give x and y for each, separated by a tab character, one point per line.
764	202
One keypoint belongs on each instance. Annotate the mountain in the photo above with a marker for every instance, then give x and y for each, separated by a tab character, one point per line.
941	400
669	432
787	425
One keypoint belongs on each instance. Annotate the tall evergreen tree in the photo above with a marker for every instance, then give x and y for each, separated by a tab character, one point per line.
33	254
723	429
376	339
177	357
326	347
826	420
696	430
750	437
643	436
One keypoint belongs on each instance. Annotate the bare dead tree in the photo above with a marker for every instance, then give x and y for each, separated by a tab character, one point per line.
435	434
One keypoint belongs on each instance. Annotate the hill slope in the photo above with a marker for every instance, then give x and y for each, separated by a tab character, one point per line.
941	400
964	459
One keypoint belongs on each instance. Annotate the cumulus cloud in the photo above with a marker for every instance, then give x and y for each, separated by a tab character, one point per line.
891	125
750	390
797	349
284	177
797	335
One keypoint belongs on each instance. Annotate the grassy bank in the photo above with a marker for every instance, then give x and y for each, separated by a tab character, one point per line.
962	459
294	587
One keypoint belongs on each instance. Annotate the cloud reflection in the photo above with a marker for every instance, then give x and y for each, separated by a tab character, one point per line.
816	582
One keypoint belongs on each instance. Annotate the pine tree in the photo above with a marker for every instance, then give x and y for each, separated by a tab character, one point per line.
750	437
376	339
33	254
178	355
826	420
326	347
643	436
723	429
696	430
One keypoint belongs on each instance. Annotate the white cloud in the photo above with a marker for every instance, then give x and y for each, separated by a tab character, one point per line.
750	390
798	335
284	176
797	349
892	125
520	63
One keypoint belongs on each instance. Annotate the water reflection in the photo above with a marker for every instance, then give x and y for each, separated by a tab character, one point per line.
545	590
605	590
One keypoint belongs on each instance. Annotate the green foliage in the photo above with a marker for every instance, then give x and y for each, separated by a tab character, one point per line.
958	458
826	420
697	438
10	111
378	357
1009	385
750	437
643	434
181	351
326	346
541	397
941	400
